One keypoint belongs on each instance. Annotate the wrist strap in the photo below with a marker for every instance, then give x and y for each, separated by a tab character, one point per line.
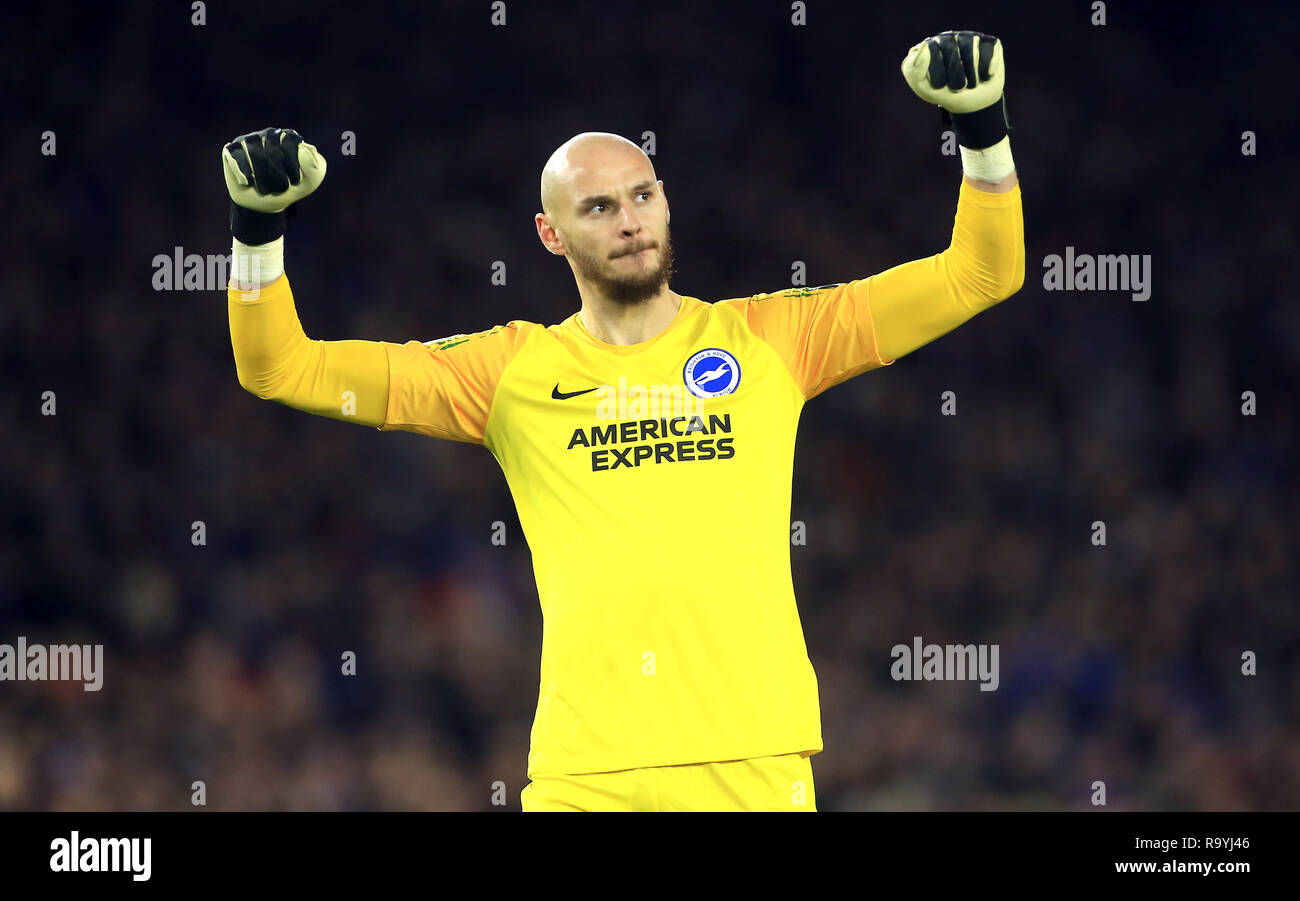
254	227
982	128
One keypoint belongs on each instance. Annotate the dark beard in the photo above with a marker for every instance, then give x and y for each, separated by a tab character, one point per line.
631	290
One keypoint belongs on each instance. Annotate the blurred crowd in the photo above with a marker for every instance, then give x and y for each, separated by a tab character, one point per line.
1121	663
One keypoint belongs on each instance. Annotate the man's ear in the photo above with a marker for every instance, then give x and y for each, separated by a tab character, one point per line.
543	220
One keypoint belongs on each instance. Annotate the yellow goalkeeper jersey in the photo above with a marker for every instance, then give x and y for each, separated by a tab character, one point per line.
653	482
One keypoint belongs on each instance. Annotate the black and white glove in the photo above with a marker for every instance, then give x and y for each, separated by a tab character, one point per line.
962	72
267	172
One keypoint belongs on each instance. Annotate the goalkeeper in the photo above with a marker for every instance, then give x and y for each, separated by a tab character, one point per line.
648	442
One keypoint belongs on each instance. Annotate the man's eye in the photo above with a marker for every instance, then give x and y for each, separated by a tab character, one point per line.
640	194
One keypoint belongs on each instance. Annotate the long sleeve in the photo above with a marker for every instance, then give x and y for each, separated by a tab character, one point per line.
275	360
916	302
445	388
830	334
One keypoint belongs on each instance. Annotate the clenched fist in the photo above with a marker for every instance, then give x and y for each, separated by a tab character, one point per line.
271	169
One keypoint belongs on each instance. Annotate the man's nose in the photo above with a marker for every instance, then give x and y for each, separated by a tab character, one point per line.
630	224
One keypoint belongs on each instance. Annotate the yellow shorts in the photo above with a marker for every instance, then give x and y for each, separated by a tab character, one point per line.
782	783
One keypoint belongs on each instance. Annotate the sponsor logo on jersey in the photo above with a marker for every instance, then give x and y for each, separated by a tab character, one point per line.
808	292
712	372
557	394
655	441
456	340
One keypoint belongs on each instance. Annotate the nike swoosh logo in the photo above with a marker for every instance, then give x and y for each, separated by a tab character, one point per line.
565	395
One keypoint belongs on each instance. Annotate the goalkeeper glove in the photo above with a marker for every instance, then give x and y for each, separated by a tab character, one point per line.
267	172
962	72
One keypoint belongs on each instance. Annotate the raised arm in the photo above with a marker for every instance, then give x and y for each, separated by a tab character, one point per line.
964	74
916	302
442	388
439	388
267	172
275	360
829	334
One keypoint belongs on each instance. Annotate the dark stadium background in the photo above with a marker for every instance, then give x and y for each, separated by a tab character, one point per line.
776	143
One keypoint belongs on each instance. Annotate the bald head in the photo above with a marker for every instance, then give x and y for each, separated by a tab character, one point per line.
582	157
607	214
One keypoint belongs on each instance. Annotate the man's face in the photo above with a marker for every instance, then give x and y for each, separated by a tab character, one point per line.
616	230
